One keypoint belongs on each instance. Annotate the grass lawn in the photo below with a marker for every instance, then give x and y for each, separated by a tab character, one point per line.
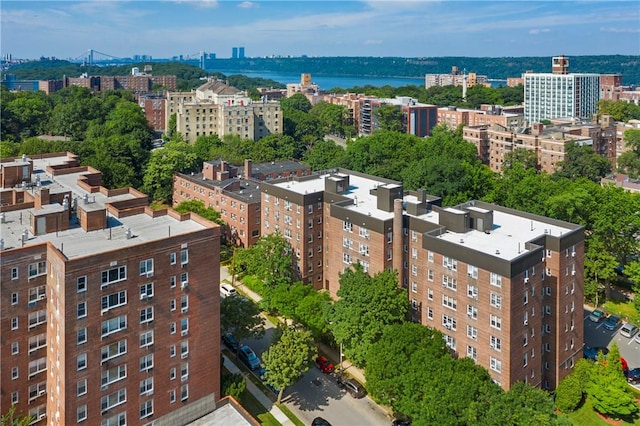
251	404
586	416
625	310
291	416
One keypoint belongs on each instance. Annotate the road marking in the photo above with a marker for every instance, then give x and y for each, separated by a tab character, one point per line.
630	341
599	325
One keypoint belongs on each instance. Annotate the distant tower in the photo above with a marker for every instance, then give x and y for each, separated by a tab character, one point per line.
234	53
560	65
241	52
464	85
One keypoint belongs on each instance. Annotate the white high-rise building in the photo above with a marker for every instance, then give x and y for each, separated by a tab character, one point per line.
559	94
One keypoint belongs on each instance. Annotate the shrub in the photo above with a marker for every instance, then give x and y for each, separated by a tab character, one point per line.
568	393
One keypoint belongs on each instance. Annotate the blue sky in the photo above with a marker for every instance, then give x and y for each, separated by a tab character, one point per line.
163	28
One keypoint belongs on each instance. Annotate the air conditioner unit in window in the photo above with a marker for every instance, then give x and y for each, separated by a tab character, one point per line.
104	387
184	310
42	296
104	311
184	332
183	356
492	346
573	273
526	280
143	296
149	274
573	254
184	284
42	416
526	322
42	392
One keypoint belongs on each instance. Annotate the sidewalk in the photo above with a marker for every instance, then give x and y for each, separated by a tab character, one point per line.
259	395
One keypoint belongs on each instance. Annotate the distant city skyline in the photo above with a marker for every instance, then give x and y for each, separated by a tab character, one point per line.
163	29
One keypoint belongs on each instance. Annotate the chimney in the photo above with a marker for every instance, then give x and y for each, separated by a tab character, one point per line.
247	168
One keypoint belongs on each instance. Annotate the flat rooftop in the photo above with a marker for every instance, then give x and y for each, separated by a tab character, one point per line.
76	242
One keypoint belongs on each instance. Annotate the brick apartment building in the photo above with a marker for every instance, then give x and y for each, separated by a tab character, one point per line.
505	287
153	106
486	115
109	310
418	118
235	193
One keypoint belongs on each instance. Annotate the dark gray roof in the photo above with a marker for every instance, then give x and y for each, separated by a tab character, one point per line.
249	189
219	87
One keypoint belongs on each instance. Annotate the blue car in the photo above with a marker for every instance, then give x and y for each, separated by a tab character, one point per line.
250	359
612	322
592	353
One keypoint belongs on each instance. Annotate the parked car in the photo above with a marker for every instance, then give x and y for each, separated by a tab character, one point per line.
633	375
227	290
592	353
319	421
324	365
354	388
230	342
597	315
612	322
249	357
628	330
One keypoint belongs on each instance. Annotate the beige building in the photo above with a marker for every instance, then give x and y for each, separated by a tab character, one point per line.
218	109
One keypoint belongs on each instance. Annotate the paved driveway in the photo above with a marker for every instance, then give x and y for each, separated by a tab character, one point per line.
595	335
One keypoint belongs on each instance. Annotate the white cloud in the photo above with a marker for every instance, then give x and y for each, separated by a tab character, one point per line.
619	30
372	42
536	31
248	5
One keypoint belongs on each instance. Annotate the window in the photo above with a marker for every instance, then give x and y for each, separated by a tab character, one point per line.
430	256
82	335
146	409
347	226
113	375
81	362
414	304
146	267
449	302
172	282
146	362
363	249
449	322
172	328
146	338
184	326
495	364
526	298
15	373
14	298
184	303
472	353
450	341
414	270
472	312
36	390
496	322
347	242
114	300
525	359
146	315
172	374
37	269
37	342
430	275
184	349
82	413
116	398
496	300
113	325
450	263
82	310
146	291
414	286
14	323
184	392
82	387
414	252
184	371
14	273
346	258
495	279
114	275
15	348
81	284
472	271
172	396
429	313
172	258
472	332
37	318
363	232
495	343
146	386
449	282
429	294
116	420
184	257
37	293
113	350
172	351
472	291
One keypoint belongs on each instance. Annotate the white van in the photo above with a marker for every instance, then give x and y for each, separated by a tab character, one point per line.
227	290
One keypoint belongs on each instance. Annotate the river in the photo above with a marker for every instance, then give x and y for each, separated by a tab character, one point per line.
327	82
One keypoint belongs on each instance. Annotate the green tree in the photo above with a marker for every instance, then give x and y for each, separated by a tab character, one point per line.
526	157
287	359
608	389
29	112
366	304
269	259
619	110
632	270
389	117
232	385
582	161
323	155
568	393
13	418
629	161
174	157
296	102
522	405
241	317
599	267
204	146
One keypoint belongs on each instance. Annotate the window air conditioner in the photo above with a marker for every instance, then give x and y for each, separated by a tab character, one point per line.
526	280
184	284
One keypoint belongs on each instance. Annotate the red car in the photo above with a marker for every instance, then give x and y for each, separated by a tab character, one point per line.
324	365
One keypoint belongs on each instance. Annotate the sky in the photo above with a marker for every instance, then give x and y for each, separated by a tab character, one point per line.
423	28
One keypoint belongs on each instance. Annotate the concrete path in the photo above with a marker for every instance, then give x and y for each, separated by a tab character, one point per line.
259	395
